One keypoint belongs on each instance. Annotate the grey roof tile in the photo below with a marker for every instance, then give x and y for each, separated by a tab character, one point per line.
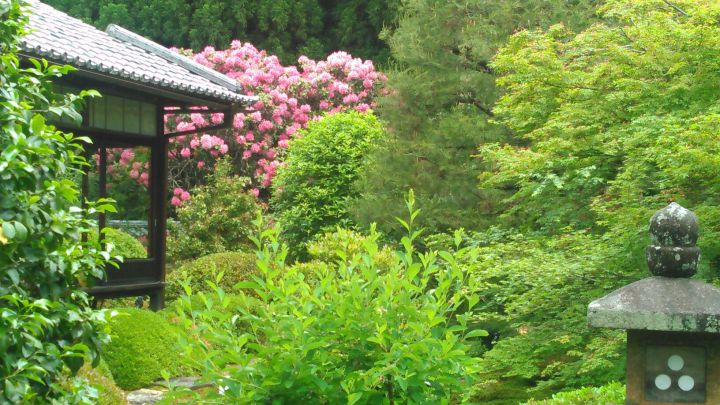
60	38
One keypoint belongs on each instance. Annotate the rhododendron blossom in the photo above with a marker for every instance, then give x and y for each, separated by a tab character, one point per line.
288	98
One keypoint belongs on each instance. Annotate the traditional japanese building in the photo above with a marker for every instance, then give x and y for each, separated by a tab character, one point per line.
140	82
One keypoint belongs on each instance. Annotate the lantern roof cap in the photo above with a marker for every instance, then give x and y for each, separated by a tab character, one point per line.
661	304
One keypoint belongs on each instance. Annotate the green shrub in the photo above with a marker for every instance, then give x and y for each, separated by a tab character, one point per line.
345	242
534	297
312	190
102	380
125	245
142	347
613	393
358	335
235	266
342	244
198	300
217	218
47	327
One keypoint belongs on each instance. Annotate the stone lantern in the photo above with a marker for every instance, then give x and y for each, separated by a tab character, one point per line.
672	321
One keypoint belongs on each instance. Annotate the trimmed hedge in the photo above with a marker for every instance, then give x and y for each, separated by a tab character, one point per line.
610	394
236	267
142	346
101	379
124	244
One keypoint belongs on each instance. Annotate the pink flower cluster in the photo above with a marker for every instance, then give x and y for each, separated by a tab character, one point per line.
288	98
124	162
179	197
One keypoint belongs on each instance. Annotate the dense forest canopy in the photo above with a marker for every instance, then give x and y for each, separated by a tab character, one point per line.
620	118
286	28
439	110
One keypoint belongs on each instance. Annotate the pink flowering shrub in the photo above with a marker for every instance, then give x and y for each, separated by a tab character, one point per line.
289	97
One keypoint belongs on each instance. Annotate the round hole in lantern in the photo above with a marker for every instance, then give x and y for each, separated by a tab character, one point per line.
675	362
663	382
686	383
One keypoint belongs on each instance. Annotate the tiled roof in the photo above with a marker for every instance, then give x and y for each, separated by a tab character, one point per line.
59	38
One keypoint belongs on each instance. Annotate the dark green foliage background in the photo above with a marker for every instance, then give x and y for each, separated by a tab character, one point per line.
287	28
439	108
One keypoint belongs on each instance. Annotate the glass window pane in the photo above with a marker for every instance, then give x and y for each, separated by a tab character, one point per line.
114	113
97	113
132	116
128	182
148	121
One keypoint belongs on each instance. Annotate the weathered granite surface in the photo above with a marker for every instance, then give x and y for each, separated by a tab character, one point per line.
144	397
659	303
674	231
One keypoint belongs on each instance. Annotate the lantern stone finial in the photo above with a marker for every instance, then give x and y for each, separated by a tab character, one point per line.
674	231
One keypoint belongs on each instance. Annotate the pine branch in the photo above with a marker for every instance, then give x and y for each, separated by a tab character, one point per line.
469	99
676	8
481	66
483	108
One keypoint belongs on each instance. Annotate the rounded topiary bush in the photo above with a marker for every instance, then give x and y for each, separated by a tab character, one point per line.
142	347
235	266
312	190
125	245
101	379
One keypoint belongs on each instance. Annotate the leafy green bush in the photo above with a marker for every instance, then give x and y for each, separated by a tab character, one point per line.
235	266
216	219
102	380
342	244
142	347
534	296
47	328
609	138
613	393
359	335
125	245
198	300
312	190
346	243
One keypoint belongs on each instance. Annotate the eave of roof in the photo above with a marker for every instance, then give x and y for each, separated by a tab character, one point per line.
56	36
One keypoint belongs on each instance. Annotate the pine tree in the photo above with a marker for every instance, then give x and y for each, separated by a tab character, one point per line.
440	107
